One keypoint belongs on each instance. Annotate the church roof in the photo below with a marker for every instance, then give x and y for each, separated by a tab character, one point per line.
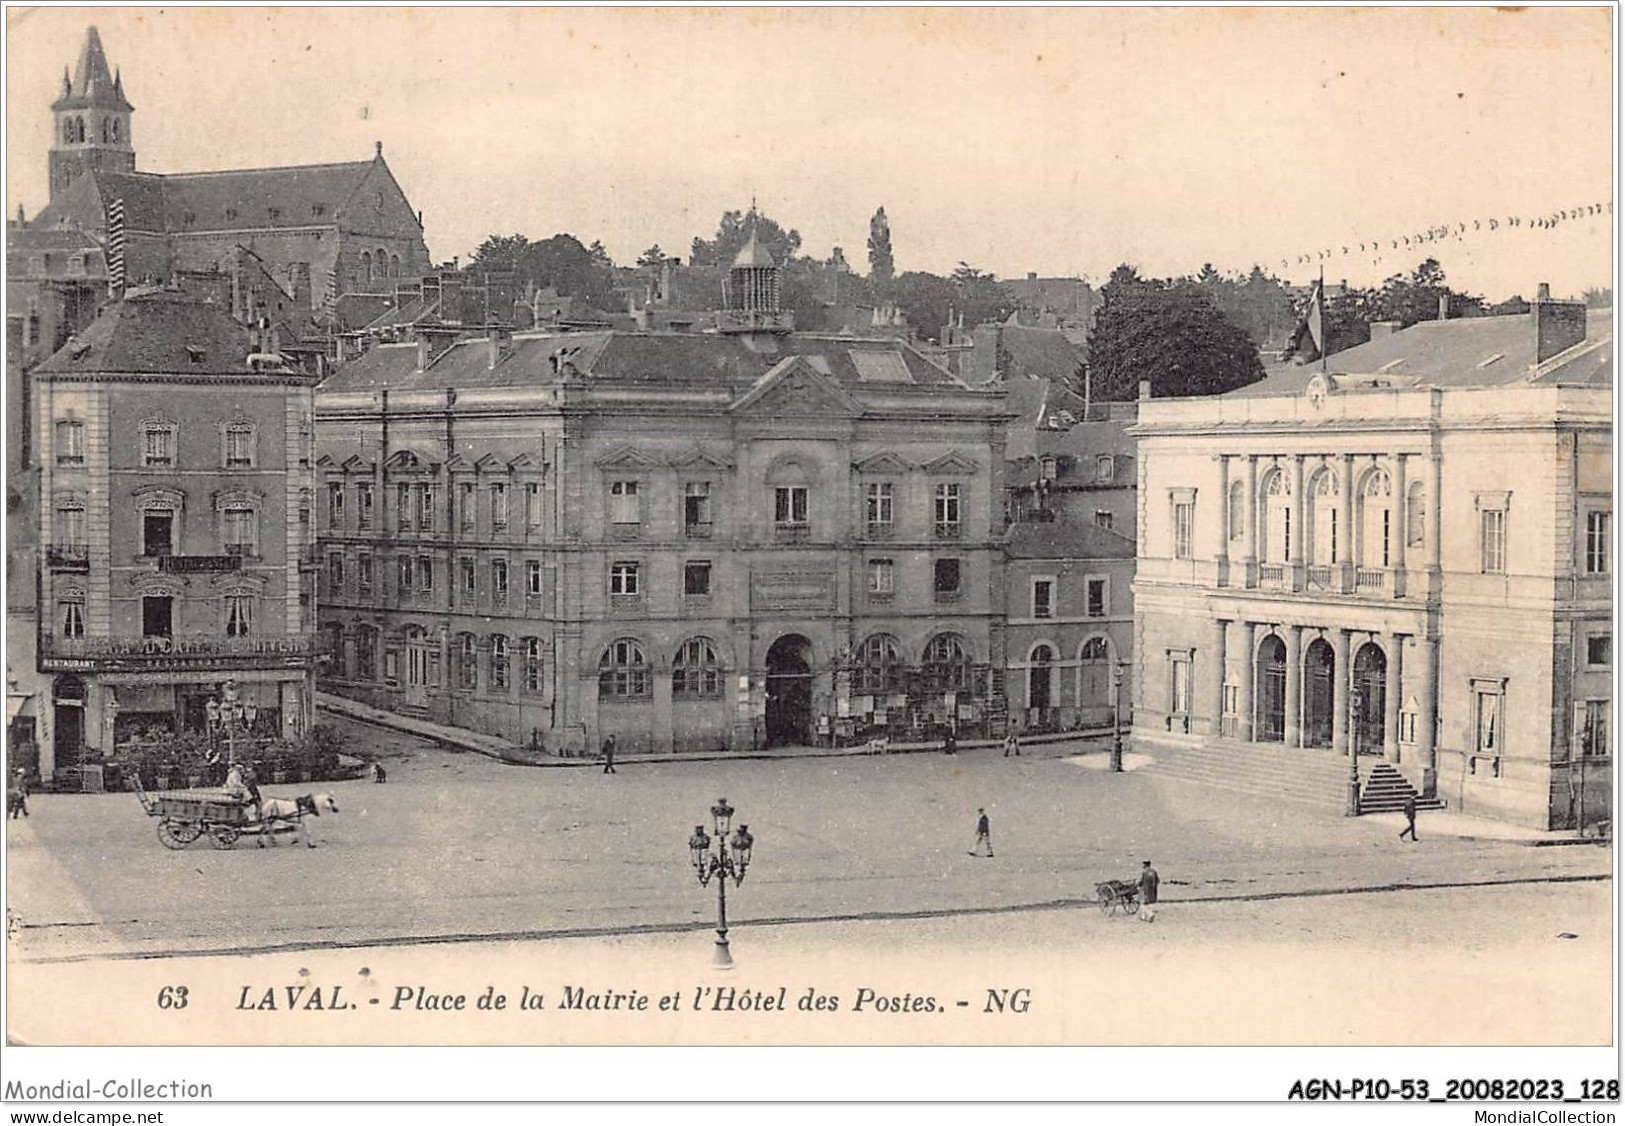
162	333
92	85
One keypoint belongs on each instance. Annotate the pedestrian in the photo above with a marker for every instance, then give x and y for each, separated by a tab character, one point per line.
608	751
1148	892
17	794
950	745
378	774
1012	745
984	835
1410	818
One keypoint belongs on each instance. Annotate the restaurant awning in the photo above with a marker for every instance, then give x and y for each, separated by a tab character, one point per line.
19	703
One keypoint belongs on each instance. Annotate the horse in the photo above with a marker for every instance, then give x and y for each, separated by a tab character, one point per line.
292	811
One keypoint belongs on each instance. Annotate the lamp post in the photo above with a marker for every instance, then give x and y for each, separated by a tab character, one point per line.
1353	809
729	858
1119	671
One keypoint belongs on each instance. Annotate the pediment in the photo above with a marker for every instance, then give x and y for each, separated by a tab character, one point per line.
952	463
794	388
882	464
525	461
408	459
490	463
326	462
355	463
457	463
626	457
700	459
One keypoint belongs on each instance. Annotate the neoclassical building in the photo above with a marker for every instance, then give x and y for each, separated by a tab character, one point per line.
1408	556
686	540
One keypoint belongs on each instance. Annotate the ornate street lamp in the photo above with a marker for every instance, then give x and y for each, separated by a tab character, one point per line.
729	858
1119	671
1355	697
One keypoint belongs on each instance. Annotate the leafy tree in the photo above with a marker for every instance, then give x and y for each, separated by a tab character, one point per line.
500	252
1512	306
654	256
882	267
574	270
1416	298
1599	297
1169	333
733	231
927	299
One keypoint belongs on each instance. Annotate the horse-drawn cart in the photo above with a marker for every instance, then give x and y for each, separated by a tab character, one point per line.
185	815
1120	895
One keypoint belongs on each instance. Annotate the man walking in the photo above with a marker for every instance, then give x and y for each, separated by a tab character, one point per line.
1410	818
984	835
608	750
1148	892
1012	745
950	745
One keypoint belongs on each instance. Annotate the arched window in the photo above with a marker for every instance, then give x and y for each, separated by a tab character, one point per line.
531	681
67	130
947	663
467	661
623	672
1275	535
1321	521
697	671
499	663
70	612
366	266
394	265
1238	510
1094	673
79	129
238	613
107	130
880	665
116	130
1040	677
1375	520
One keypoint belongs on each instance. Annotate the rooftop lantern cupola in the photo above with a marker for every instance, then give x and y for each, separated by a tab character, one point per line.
751	297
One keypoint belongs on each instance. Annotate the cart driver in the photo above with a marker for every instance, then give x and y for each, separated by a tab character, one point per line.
240	778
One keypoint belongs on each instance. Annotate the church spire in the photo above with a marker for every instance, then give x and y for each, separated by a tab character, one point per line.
91	119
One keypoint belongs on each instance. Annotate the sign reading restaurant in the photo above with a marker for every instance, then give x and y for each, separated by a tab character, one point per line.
194	564
115	654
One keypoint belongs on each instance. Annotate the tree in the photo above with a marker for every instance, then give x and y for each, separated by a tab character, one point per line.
1599	297
1170	334
1416	298
654	256
882	268
734	230
927	300
500	252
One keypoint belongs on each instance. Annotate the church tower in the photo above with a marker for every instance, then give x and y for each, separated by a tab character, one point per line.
92	120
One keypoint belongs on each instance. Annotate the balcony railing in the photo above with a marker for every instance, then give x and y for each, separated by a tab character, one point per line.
203	650
1368	578
68	556
947	595
947	530
626	603
699	530
792	533
1271	574
880	530
1320	578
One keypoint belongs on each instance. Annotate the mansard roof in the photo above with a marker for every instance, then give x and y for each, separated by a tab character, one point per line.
160	333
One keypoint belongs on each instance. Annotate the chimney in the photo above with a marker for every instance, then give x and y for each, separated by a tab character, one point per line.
1559	325
1145	390
1382	329
498	345
1032	275
299	277
1444	306
425	351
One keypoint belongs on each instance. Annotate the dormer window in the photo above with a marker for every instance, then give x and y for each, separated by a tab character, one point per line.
195	353
276	214
188	218
231	214
317	210
1048	469
1105	468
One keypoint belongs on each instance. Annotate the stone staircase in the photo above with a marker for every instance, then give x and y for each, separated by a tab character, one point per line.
1385	790
1309	776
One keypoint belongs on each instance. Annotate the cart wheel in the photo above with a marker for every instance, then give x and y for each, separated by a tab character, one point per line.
223	836
1106	904
177	834
1131	906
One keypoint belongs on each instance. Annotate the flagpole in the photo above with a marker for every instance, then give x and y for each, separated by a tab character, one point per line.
1323	318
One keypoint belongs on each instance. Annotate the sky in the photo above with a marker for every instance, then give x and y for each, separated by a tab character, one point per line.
1057	141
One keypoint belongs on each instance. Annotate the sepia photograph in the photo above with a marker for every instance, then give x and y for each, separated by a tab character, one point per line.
864	528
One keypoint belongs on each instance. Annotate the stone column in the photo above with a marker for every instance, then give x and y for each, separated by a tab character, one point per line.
661	736
1250	560
1221	550
1295	568
1294	686
1221	633
1434	522
1427	712
1244	723
1401	518
1391	688
1345	540
1340	694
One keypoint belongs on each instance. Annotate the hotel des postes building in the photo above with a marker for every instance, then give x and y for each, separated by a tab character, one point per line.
1408	555
174	452
685	540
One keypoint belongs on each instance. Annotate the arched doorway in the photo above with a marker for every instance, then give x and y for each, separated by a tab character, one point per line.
1040	672
789	691
1319	669
422	666
68	730
1271	691
1370	697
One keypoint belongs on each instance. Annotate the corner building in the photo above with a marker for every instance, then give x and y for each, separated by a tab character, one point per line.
689	541
1408	558
174	515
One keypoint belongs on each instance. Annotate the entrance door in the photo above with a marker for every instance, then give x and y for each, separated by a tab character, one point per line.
789	691
1319	665
417	668
1368	704
69	737
1271	691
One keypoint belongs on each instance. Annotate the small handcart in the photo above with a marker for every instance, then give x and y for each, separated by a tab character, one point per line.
1118	895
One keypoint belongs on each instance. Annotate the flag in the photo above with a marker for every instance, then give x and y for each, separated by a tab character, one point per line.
1314	316
115	247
